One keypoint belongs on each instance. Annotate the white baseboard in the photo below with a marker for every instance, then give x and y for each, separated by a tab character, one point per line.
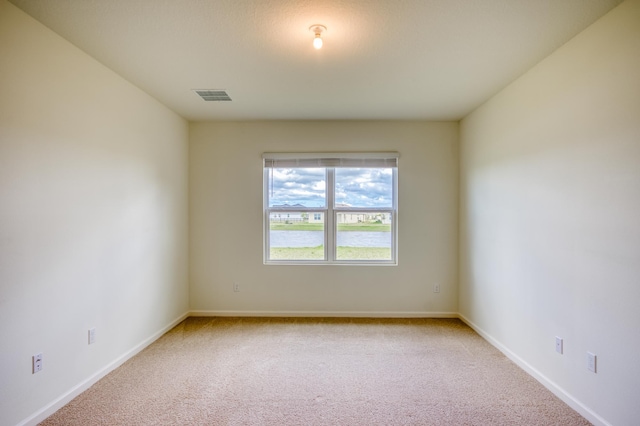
325	314
90	381
544	380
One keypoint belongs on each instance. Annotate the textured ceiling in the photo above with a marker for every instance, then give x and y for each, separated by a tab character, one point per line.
395	59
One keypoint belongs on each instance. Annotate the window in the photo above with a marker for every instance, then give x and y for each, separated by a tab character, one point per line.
330	208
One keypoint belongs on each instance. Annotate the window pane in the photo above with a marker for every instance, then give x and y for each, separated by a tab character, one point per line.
296	235
299	187
364	187
363	236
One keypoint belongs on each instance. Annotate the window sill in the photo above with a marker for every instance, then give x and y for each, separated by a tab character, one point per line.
326	263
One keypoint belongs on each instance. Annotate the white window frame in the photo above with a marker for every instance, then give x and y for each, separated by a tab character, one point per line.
331	161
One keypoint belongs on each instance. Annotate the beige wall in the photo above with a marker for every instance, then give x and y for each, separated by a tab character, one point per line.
93	216
226	221
550	218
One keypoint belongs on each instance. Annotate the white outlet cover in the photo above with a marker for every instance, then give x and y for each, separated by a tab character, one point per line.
559	345
37	363
592	362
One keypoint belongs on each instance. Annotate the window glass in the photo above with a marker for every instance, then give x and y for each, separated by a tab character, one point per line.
364	236
364	187
296	236
297	187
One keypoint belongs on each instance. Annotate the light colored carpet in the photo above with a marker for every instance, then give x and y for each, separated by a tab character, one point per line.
276	371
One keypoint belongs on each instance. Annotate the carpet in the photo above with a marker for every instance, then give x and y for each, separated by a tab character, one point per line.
320	371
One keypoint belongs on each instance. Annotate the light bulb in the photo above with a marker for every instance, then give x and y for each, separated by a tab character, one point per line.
317	30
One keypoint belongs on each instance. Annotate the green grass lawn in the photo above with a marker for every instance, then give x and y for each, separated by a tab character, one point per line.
317	253
297	253
296	226
364	227
302	226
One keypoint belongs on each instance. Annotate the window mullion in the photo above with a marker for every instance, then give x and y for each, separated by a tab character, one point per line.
330	232
394	216
266	181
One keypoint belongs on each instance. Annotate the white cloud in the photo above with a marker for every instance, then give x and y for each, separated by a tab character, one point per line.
359	187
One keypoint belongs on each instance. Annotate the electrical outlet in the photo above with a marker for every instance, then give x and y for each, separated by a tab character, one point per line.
236	287
559	345
92	336
37	363
592	360
436	288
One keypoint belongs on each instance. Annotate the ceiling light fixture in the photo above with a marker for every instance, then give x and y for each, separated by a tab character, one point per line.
317	30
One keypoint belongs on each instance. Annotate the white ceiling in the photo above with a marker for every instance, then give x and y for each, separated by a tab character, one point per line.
394	59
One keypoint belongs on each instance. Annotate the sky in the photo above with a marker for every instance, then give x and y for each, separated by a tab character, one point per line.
357	187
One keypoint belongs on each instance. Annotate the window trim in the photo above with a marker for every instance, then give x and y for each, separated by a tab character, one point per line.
331	161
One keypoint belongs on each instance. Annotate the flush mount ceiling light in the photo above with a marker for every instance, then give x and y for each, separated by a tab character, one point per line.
317	30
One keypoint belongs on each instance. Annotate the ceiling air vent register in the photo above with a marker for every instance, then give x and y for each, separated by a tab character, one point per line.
213	95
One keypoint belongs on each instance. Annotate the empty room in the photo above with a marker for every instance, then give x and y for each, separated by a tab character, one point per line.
276	212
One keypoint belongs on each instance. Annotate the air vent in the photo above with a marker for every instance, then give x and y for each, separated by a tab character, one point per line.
213	95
